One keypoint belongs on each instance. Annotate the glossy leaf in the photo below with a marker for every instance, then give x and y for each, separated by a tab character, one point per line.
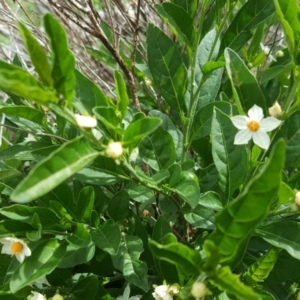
80	237
139	129
179	20
37	54
63	72
210	200
128	261
118	206
158	150
85	204
229	282
284	235
230	160
44	260
261	268
107	237
166	66
86	288
19	82
122	96
250	16
242	81
201	217
187	260
59	166
238	220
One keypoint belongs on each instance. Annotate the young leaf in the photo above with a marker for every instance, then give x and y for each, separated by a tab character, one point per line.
128	262
19	82
250	15
261	269
225	280
63	72
122	96
37	55
85	204
166	66
243	81
230	160
44	260
53	170
237	222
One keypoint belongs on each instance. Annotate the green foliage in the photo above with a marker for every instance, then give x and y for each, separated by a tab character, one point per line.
154	185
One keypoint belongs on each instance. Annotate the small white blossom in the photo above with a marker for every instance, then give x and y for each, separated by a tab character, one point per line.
85	121
114	150
36	296
17	247
161	292
275	110
126	294
254	126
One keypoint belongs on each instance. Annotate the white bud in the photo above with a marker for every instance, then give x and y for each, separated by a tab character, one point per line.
114	150
199	290
85	121
279	53
297	199
148	81
275	110
57	297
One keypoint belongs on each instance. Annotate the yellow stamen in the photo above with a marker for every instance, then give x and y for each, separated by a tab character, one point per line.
253	125
16	248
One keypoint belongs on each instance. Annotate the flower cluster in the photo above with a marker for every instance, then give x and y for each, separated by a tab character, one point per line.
165	292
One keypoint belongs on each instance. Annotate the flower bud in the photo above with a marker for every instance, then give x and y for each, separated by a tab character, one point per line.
279	53
148	81
199	290
297	199
57	297
275	110
85	121
114	150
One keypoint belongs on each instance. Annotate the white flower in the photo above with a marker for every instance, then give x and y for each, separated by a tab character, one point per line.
17	247
36	296
161	292
85	121
126	295
275	110
255	127
114	150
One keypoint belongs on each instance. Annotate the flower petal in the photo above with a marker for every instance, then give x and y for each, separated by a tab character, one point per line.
243	137
6	249
20	257
7	240
261	139
255	113
269	124
240	122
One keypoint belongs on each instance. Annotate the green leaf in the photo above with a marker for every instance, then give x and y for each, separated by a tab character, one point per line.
250	16
63	72
86	288
37	55
108	116
187	260
107	237
118	206
8	227
285	194
88	93
166	67
201	217
210	200
158	150
80	237
262	267
238	220
53	170
140	193
288	13
243	81
25	112
189	191
179	20
19	82
44	259
139	129
189	6
226	281
230	160
284	234
128	262
85	204
122	96
211	66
